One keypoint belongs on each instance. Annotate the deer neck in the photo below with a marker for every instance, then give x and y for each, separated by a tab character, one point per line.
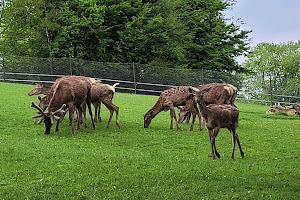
203	108
157	108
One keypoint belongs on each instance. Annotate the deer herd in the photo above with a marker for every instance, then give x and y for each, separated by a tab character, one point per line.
212	103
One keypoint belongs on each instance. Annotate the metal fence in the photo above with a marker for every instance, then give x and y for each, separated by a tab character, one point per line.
133	78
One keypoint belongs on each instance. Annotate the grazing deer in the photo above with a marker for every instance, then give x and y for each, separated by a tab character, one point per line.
216	117
68	92
168	100
218	93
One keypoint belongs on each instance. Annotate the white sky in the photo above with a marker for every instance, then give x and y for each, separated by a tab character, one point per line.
272	21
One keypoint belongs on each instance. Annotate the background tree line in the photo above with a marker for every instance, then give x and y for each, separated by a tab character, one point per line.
165	33
275	69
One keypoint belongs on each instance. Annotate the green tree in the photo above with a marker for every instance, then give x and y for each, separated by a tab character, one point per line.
276	68
156	36
90	29
166	33
215	44
28	28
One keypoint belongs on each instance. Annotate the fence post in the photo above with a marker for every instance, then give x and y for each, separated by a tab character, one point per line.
3	68
134	80
71	72
271	93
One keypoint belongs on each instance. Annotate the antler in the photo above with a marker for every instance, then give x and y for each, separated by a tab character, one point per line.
61	110
39	109
39	115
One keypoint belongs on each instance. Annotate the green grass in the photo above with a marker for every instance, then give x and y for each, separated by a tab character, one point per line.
137	163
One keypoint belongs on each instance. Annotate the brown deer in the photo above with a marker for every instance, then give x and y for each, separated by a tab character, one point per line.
168	100
40	89
293	109
216	117
104	93
218	93
68	92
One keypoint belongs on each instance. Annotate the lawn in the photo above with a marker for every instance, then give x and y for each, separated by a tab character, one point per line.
137	163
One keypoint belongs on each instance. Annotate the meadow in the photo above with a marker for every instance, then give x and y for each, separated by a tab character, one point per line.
137	163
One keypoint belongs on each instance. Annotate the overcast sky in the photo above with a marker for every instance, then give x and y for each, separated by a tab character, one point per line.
272	21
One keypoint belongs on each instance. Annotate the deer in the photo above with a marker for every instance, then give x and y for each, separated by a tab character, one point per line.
216	117
293	109
67	92
104	93
168	100
40	89
219	93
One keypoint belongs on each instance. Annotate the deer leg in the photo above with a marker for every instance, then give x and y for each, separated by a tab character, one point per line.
173	115
96	111
171	123
238	141
111	107
83	107
193	121
79	109
216	132
99	108
211	138
188	117
117	116
71	117
90	112
233	141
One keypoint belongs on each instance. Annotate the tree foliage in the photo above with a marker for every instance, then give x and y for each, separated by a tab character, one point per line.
276	68
166	33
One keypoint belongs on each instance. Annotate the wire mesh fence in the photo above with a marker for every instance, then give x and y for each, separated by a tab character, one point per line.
134	78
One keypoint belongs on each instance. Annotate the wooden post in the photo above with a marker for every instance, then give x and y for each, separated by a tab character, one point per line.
134	80
271	93
3	68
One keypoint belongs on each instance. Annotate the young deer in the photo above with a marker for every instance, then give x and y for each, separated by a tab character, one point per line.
216	117
104	93
40	89
219	93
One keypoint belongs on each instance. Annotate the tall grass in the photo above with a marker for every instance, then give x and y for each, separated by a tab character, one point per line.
137	163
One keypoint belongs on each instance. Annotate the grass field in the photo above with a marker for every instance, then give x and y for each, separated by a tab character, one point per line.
137	163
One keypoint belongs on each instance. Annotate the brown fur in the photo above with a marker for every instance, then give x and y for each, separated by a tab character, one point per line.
71	91
104	93
40	89
216	117
218	93
293	109
168	100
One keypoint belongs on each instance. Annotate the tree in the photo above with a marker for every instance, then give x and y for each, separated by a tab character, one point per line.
215	44
276	68
166	33
28	28
156	36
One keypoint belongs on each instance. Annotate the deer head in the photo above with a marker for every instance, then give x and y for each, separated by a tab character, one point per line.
37	90
43	102
49	117
148	118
